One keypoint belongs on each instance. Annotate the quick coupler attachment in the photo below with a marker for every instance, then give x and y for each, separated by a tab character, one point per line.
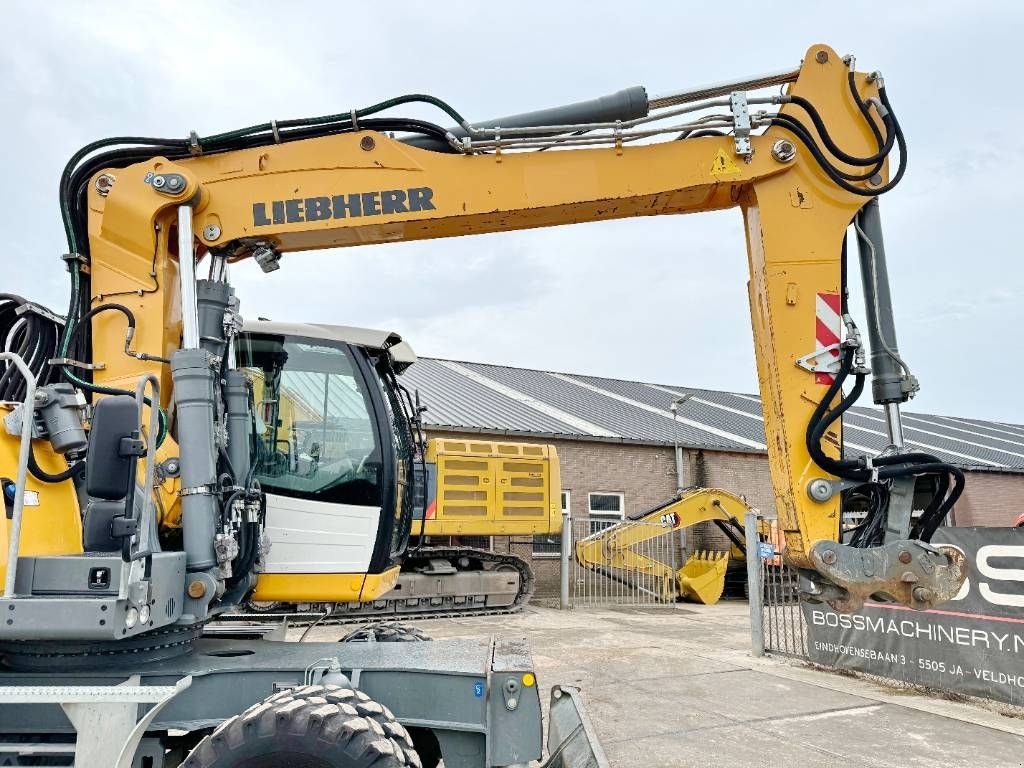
909	572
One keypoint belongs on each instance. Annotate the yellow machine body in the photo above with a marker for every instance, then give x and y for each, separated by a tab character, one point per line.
51	524
324	587
490	488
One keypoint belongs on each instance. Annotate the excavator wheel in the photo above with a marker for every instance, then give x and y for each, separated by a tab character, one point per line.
386	633
315	726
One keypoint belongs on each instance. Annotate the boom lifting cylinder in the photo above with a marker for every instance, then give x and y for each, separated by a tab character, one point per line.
891	382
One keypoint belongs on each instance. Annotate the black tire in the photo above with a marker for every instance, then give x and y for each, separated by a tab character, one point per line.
315	726
386	633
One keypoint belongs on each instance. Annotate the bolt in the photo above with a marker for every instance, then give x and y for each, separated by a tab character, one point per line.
158	182
367	143
104	183
819	490
173	183
828	557
821	57
905	556
196	589
783	150
923	594
211	232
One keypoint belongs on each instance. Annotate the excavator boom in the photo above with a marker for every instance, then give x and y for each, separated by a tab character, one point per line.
818	163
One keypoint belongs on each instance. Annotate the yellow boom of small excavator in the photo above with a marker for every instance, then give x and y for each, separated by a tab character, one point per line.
613	550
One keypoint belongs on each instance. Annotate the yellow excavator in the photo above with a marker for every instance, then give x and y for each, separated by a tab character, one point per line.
617	552
131	441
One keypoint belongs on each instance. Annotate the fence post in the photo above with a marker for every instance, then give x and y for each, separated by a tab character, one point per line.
755	589
563	594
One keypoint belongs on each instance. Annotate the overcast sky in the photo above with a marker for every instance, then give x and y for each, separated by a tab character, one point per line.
660	300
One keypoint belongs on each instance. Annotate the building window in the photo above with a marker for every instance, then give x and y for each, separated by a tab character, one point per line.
605	509
550	545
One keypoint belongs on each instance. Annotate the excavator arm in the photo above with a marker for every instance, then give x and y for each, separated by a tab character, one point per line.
702	577
800	165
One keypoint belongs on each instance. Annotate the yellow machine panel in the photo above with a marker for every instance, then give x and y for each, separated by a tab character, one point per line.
52	524
485	488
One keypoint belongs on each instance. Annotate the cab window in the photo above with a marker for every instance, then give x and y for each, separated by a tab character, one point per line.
315	424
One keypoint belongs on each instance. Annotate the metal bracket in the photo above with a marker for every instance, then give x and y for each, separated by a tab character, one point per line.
72	258
741	123
72	363
13	421
821	489
40	310
909	572
199	490
807	362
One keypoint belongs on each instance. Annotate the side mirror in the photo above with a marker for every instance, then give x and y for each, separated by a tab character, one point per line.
114	448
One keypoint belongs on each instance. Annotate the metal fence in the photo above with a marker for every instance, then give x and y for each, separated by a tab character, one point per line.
776	620
624	564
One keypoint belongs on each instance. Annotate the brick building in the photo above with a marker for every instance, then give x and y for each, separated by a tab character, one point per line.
617	443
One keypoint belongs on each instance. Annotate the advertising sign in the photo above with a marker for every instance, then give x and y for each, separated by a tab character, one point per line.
974	644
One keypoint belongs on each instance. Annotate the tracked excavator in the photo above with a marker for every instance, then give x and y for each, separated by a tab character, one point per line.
129	454
315	433
616	551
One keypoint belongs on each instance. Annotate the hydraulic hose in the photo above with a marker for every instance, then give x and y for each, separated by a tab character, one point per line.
832	147
47	477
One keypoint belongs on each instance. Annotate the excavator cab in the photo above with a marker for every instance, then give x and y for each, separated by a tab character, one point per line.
335	449
348	480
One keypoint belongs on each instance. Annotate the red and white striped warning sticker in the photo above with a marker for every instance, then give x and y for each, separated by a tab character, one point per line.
827	328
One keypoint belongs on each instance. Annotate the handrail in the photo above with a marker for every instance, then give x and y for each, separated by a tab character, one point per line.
145	545
28	409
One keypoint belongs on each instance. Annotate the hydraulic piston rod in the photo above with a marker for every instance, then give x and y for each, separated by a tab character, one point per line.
891	380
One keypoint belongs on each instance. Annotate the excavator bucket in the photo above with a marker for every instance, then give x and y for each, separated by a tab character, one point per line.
702	578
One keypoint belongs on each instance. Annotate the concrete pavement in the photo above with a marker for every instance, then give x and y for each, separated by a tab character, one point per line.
679	687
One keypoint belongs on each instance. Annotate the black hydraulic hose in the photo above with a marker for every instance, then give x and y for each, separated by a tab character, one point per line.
932	509
931	525
129	315
73	335
339	117
48	477
840	467
830	417
901	141
227	462
31	335
839	177
866	114
831	146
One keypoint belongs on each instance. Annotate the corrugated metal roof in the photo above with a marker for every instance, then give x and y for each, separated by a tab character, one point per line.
505	400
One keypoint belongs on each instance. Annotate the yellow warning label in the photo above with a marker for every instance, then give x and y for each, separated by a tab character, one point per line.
723	165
